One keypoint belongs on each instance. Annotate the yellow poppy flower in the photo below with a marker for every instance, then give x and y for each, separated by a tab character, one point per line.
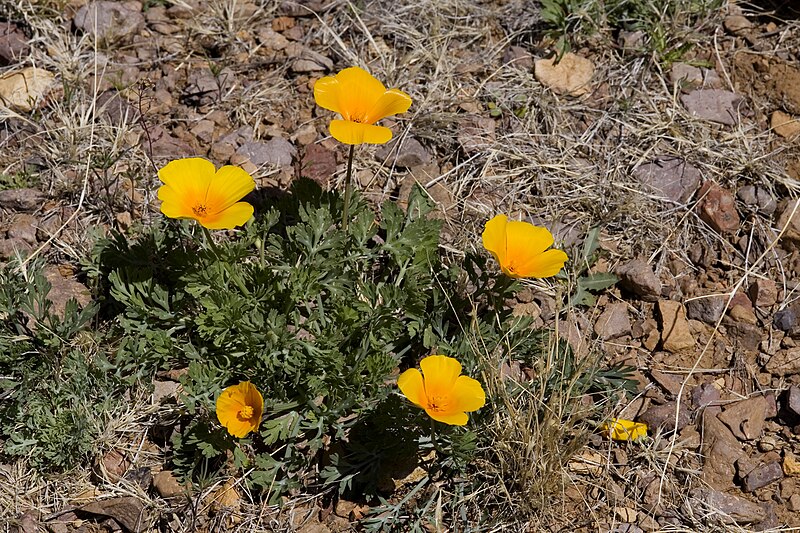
521	248
621	429
239	408
362	101
445	395
193	188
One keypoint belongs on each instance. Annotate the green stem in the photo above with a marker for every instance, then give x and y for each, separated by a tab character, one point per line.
433	437
216	251
348	188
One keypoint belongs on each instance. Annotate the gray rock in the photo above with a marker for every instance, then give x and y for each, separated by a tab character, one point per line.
409	153
613	322
763	475
116	108
165	145
14	247
671	177
707	309
13	44
110	22
714	105
785	319
728	508
638	277
705	395
276	152
21	199
758	198
793	399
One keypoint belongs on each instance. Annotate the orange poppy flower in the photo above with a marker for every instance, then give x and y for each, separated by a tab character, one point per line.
521	248
239	409
193	188
621	429
441	390
362	101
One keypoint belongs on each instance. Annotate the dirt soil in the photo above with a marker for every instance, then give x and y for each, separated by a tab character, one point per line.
690	167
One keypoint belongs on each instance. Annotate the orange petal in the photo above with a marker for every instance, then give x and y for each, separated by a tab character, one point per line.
230	184
351	93
254	399
543	265
239	428
357	133
453	419
326	93
440	373
467	395
412	386
189	177
228	406
235	215
173	204
494	238
390	103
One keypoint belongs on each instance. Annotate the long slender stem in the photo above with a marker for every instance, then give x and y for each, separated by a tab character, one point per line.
227	267
348	188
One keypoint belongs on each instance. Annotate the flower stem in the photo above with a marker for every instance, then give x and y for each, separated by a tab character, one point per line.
348	188
433	438
216	251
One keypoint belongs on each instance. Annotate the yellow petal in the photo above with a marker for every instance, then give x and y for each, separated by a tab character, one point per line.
543	265
230	184
494	238
453	419
621	429
411	385
467	395
235	215
229	404
440	373
326	93
240	428
390	103
525	240
357	133
188	177
253	398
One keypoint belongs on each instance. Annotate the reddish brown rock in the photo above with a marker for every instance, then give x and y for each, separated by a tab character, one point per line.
637	276
319	164
763	475
720	450
789	218
763	293
13	44
718	208
745	419
785	362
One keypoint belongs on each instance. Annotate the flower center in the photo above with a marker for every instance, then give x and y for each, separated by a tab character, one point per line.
438	403
200	210
246	413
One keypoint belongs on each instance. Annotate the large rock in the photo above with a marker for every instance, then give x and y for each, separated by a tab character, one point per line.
111	22
613	322
638	277
21	199
676	334
718	208
714	105
789	217
745	419
671	177
727	508
13	44
25	88
785	362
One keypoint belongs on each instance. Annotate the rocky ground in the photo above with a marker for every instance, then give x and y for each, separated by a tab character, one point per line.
689	164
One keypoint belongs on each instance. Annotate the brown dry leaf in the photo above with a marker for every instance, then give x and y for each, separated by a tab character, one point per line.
22	89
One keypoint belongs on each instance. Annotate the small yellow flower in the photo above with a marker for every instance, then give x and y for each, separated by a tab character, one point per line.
621	429
239	408
445	395
362	101
521	248
193	188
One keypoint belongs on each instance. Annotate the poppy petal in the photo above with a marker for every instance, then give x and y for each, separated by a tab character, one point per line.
494	238
326	93
358	133
235	215
468	394
173	204
543	265
525	240
189	177
390	103
440	373
239	428
412	386
359	92
453	419
230	184
254	399
229	404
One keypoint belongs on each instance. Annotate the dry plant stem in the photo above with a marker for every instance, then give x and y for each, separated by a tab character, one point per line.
348	187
